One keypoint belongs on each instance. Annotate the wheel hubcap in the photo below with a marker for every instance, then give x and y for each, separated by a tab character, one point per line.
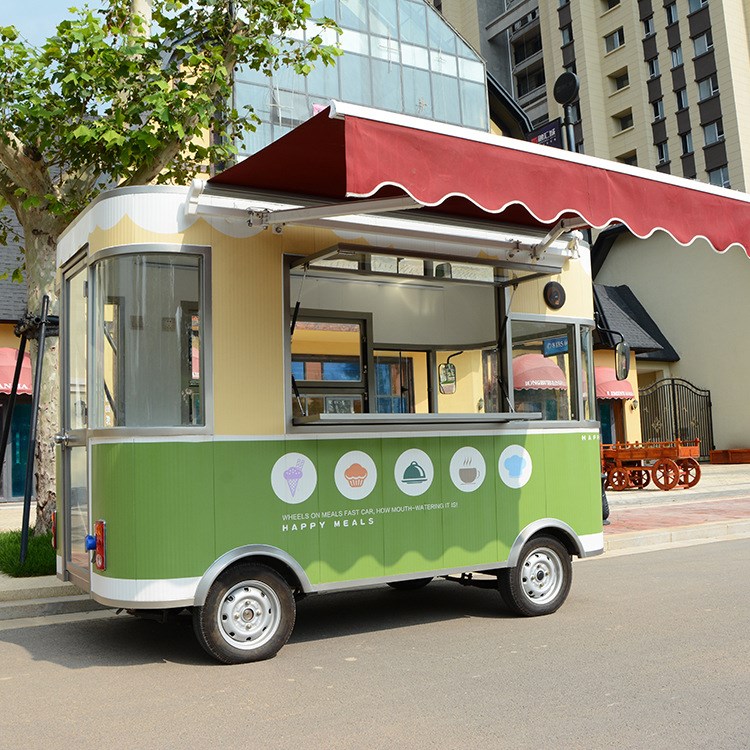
249	615
541	575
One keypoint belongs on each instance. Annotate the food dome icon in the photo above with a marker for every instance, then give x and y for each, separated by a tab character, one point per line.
414	474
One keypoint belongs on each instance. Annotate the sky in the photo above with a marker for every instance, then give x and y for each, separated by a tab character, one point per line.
35	19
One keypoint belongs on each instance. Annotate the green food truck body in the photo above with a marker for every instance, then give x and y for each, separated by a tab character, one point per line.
266	396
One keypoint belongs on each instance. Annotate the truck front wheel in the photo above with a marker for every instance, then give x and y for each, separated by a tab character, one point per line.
540	583
248	615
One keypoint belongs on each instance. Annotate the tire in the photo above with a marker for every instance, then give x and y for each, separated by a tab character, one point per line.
412	585
248	615
540	583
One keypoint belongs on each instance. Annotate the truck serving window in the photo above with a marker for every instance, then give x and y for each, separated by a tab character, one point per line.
147	334
543	369
382	334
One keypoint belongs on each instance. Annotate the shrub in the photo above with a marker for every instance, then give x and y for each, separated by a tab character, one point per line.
40	555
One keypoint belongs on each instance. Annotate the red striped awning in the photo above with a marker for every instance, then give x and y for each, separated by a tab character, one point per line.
8	357
537	372
348	152
608	386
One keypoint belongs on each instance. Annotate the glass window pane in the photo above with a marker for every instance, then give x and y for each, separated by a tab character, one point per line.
355	80
148	341
384	48
542	373
353	14
413	22
445	99
330	351
443	63
417	92
323	81
323	8
442	36
473	105
77	397
417	57
354	41
471	70
383	18
386	85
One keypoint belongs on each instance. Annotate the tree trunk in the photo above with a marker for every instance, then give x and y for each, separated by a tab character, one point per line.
42	231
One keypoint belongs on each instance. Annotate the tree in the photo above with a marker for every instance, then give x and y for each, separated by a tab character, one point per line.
125	95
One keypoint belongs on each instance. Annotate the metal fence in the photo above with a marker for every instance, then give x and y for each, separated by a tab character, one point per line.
674	409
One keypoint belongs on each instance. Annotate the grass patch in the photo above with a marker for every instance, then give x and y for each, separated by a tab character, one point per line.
40	555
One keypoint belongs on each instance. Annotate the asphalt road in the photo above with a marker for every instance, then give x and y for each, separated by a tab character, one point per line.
650	651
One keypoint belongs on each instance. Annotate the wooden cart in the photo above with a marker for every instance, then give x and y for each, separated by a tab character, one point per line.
669	464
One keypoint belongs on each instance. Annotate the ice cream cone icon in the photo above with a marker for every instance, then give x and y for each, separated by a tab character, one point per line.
293	475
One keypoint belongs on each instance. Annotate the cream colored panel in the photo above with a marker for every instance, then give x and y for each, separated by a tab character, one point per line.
575	279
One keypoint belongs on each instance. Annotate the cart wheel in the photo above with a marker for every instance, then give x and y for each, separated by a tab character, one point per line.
248	615
639	478
540	583
691	472
666	474
617	479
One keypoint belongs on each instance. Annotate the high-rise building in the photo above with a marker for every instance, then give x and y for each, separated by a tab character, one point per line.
664	83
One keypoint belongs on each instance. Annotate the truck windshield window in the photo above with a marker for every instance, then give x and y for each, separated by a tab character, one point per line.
147	341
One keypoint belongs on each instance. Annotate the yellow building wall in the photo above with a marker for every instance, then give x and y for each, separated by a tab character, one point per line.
7	337
631	412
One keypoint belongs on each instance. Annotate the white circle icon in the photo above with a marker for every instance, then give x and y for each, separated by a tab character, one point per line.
355	475
515	466
468	469
413	472
293	478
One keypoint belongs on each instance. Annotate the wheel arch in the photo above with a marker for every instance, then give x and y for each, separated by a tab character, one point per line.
275	558
553	527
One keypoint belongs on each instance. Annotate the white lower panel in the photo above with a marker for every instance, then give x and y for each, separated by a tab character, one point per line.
592	544
132	593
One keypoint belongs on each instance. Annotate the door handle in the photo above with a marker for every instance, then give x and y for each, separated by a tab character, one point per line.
62	438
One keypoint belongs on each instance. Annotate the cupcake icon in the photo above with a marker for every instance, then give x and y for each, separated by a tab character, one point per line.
355	475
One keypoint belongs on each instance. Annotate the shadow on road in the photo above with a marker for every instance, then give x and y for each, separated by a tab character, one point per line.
129	641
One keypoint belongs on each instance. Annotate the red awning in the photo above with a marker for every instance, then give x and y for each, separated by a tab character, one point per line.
8	359
608	386
536	372
348	152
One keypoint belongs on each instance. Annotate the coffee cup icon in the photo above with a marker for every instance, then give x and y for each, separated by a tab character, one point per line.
468	474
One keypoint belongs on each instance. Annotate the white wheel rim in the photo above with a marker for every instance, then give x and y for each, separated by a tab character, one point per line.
541	576
249	615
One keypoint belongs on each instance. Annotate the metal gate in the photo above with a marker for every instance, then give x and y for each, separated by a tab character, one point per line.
674	409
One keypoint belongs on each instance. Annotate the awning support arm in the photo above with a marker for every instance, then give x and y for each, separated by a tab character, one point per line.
276	219
264	218
562	226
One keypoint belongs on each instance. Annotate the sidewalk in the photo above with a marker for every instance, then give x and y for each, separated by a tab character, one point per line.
717	508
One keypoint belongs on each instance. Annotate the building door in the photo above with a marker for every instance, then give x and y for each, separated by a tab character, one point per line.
74	403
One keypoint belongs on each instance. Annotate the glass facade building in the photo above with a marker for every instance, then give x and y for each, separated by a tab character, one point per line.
399	55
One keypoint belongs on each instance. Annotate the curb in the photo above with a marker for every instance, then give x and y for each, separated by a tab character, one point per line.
39	587
40	596
643	539
55	605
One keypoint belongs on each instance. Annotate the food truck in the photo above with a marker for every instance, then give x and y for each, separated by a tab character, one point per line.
362	356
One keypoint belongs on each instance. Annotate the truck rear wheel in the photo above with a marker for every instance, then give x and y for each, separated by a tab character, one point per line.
540	583
248	615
